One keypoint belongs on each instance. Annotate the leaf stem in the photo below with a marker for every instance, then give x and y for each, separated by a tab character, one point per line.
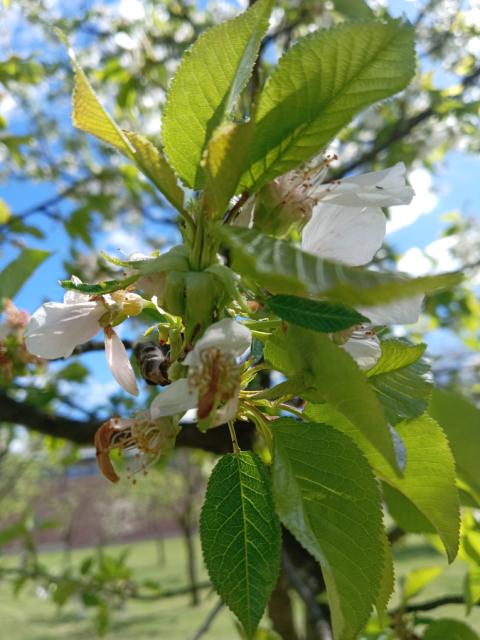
290	409
233	435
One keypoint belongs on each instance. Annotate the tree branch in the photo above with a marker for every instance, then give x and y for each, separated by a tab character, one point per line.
82	432
208	620
430	604
400	132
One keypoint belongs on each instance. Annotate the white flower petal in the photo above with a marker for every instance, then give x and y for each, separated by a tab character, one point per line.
119	363
227	412
401	311
365	351
55	328
228	335
349	235
176	398
380	188
245	217
74	297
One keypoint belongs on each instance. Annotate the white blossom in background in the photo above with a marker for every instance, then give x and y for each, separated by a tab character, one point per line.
424	202
212	384
56	328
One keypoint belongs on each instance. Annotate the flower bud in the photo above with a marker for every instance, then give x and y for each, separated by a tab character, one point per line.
174	297
153	285
203	295
133	304
283	202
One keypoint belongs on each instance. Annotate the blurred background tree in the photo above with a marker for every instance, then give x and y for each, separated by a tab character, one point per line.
64	194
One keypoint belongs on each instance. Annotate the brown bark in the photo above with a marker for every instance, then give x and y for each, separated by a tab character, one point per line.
82	432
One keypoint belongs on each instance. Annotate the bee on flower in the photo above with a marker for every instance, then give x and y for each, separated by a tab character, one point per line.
212	384
141	439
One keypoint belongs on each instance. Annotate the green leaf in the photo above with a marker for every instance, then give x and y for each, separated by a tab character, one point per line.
449	629
89	115
387	583
355	9
428	479
101	288
283	268
401	380
404	512
396	354
240	536
65	589
16	225
17	272
418	579
74	372
152	163
319	85
206	87
312	314
331	374
471	587
78	225
461	421
327	497
226	155
176	259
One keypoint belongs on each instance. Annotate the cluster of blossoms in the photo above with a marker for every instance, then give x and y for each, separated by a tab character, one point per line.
340	221
343	222
12	345
56	328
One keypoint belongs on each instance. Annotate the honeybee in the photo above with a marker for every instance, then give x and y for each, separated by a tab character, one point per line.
153	361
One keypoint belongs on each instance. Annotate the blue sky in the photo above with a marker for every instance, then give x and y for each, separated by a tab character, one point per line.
454	188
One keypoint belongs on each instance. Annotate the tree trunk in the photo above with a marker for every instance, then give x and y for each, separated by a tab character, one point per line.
189	537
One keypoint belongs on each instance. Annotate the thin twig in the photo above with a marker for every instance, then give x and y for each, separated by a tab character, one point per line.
322	627
430	604
400	132
208	620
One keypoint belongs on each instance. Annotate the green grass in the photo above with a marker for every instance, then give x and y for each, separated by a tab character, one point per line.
31	617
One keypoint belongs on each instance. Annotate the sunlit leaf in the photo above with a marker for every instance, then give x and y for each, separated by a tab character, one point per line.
89	115
402	380
428	479
100	288
326	495
206	87
329	373
461	421
319	85
418	579
283	268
